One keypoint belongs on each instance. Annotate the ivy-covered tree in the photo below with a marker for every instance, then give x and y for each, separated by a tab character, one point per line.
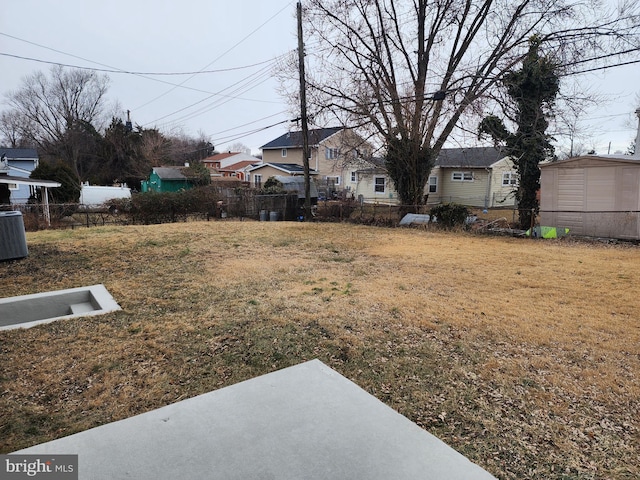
532	89
123	155
405	73
69	191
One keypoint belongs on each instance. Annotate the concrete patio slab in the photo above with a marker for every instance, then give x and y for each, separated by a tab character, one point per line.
303	422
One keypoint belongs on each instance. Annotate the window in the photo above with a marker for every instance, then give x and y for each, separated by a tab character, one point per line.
332	153
509	179
13	186
333	181
284	152
379	184
257	180
433	184
353	177
462	176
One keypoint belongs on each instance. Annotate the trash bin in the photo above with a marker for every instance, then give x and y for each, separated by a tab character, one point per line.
13	241
273	216
263	215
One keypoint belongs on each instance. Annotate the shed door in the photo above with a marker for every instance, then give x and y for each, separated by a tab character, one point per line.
571	199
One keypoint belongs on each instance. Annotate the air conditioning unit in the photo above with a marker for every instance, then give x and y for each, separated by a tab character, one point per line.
13	241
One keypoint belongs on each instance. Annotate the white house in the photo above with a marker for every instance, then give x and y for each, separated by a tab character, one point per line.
475	176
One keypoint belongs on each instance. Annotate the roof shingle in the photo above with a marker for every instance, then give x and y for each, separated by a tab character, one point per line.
294	139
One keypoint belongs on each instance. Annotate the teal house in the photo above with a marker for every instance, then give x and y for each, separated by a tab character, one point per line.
166	179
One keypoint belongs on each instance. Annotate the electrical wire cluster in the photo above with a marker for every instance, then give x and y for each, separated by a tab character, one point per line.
261	72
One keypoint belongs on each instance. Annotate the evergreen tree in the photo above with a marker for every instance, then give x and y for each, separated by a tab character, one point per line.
533	90
69	191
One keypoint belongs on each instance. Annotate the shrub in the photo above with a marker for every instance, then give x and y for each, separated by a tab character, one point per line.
449	215
154	207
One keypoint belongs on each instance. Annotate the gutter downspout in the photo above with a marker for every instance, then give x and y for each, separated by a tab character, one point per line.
489	176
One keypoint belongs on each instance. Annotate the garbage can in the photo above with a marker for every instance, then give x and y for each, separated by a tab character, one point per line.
13	241
273	216
263	215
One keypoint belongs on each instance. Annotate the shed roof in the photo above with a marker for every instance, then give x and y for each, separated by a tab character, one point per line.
593	160
294	139
169	173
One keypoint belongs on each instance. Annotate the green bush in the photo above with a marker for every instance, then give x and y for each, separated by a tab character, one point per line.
167	207
449	215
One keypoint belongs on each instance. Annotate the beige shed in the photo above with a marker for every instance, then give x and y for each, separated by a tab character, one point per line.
593	195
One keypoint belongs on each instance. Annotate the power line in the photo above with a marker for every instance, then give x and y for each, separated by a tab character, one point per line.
117	70
239	88
248	123
218	57
601	68
127	72
232	138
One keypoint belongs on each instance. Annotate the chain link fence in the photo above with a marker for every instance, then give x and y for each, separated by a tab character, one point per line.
249	205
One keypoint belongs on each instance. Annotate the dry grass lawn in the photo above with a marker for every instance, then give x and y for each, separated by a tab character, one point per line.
523	355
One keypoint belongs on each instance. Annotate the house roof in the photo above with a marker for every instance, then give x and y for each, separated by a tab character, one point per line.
169	173
290	168
472	157
19	153
239	166
220	156
294	139
373	165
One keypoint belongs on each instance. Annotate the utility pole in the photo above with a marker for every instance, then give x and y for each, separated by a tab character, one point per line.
303	115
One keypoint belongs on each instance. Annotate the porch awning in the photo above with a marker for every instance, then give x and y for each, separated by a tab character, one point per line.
11	180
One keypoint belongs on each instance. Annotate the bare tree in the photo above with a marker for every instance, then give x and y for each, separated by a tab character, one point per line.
13	130
239	147
154	147
409	70
60	109
567	125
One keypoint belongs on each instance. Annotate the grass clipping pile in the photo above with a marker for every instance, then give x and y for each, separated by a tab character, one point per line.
522	355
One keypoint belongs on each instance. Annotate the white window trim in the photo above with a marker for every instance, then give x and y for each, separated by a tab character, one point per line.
257	180
331	153
435	184
375	185
354	177
284	152
463	176
14	186
511	179
329	178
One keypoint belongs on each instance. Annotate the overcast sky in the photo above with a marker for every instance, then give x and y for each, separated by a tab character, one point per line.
194	35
